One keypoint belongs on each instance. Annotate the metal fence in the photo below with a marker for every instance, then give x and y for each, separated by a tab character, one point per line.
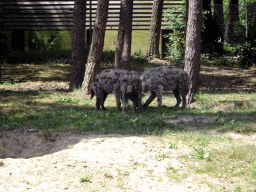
31	15
45	16
233	33
235	25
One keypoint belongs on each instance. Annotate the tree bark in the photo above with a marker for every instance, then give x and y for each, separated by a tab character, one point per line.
193	44
123	44
155	29
233	16
94	57
218	18
207	33
78	45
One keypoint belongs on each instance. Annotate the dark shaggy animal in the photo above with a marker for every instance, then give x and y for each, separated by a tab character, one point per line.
123	84
160	79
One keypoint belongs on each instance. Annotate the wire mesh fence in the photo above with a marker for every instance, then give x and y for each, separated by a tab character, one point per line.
139	41
233	24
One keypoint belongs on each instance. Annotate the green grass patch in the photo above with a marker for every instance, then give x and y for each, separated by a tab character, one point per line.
229	162
139	41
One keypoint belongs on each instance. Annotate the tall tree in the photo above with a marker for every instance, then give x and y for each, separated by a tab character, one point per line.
218	18
78	45
207	34
155	29
94	57
233	16
123	44
193	44
211	32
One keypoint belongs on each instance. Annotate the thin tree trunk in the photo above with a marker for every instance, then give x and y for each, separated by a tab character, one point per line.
123	44
94	57
218	15
78	45
207	35
233	16
155	29
193	44
218	18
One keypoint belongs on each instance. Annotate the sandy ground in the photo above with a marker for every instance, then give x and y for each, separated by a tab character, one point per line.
35	161
31	160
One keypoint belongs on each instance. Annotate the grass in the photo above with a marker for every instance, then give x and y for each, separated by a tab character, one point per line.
217	156
139	41
85	178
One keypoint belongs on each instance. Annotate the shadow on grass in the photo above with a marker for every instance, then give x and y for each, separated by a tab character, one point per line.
55	122
29	72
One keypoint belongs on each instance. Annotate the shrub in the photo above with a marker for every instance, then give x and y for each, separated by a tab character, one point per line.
246	53
176	19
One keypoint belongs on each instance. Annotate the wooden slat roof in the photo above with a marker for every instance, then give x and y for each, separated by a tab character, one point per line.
58	15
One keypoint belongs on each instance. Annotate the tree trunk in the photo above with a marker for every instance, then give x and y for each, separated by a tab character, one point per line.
123	44
78	45
218	18
207	33
94	57
233	16
193	44
155	29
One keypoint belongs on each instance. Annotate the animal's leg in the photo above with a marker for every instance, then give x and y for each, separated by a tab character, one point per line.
150	99
139	104
177	96
118	100
183	95
134	105
126	104
98	102
103	100
159	95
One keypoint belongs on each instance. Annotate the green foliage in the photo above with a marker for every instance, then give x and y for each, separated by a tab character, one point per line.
160	156
202	154
41	41
172	145
139	53
108	58
40	47
85	178
68	100
176	19
122	172
246	53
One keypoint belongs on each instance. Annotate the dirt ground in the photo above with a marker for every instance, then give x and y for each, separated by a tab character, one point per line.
35	161
31	160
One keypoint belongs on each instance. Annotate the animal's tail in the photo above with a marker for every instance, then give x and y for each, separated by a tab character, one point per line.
129	89
92	93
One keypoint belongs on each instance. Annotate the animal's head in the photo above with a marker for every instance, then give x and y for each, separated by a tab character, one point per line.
143	94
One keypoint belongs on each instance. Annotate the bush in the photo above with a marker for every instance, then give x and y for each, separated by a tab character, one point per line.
246	53
40	47
108	57
176	19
